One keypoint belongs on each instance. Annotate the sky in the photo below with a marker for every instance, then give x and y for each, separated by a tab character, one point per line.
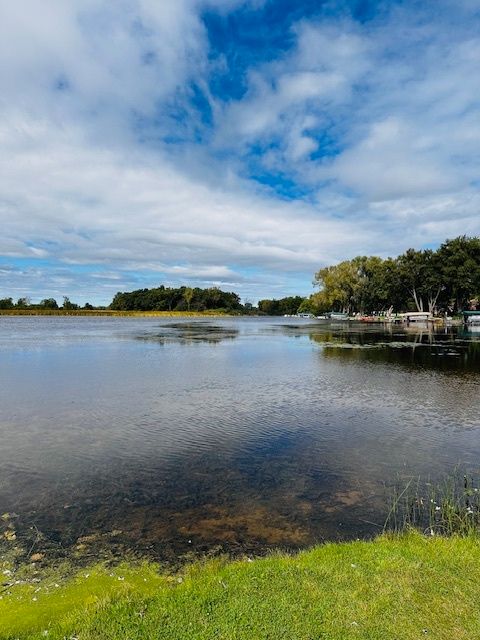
235	143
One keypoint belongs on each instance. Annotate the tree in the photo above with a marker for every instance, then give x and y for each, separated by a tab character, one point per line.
285	306
269	307
6	303
306	306
67	305
459	263
22	303
421	276
48	303
188	296
341	285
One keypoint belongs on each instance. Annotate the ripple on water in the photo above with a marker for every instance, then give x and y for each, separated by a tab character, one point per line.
233	434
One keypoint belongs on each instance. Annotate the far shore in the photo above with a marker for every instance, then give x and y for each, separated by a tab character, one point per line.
111	312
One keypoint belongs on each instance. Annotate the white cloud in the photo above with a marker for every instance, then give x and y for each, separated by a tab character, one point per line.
395	159
283	94
134	210
378	123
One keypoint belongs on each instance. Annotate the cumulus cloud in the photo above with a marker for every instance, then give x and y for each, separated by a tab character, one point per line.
134	211
122	166
393	96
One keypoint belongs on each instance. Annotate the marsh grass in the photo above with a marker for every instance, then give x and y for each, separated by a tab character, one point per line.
114	313
451	507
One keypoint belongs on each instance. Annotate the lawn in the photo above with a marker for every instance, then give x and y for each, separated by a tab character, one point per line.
395	587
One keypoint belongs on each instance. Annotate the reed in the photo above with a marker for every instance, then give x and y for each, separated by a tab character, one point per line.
451	507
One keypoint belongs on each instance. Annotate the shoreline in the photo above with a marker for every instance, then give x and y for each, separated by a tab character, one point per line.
113	313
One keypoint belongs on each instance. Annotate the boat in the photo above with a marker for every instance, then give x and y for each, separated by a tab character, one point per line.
338	315
471	317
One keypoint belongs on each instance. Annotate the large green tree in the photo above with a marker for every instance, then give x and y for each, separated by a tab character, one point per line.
420	275
459	263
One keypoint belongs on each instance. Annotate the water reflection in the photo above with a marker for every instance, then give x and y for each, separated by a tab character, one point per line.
191	332
447	350
238	435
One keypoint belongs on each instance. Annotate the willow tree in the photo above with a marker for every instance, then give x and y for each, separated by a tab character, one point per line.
340	285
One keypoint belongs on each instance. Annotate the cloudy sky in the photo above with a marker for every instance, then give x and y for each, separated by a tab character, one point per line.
237	143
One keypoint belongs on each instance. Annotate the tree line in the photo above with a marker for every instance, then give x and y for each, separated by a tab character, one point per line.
45	304
283	306
444	280
180	299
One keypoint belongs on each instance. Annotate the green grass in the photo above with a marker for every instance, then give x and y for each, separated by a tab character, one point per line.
393	588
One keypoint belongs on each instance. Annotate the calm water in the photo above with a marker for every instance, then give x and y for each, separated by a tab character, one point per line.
242	434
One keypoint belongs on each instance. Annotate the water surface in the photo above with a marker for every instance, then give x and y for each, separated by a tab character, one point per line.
174	436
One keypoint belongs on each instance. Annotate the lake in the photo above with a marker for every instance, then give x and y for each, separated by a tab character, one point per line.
168	437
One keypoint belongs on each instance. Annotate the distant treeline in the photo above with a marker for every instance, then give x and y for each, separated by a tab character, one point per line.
284	306
446	280
181	299
47	304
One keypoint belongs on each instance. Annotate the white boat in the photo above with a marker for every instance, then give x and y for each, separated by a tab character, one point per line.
338	315
471	317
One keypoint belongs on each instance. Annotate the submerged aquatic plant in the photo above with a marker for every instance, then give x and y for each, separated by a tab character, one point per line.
451	507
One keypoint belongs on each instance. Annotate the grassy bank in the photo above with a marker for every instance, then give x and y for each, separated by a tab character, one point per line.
110	312
396	587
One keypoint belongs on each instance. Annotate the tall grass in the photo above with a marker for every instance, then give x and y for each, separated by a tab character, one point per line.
451	507
114	313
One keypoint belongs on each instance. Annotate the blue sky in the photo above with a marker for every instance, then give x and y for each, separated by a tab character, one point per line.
234	143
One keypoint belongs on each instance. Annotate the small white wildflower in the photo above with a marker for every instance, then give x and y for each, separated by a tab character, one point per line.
34	599
438	508
7	572
87	575
120	578
354	566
